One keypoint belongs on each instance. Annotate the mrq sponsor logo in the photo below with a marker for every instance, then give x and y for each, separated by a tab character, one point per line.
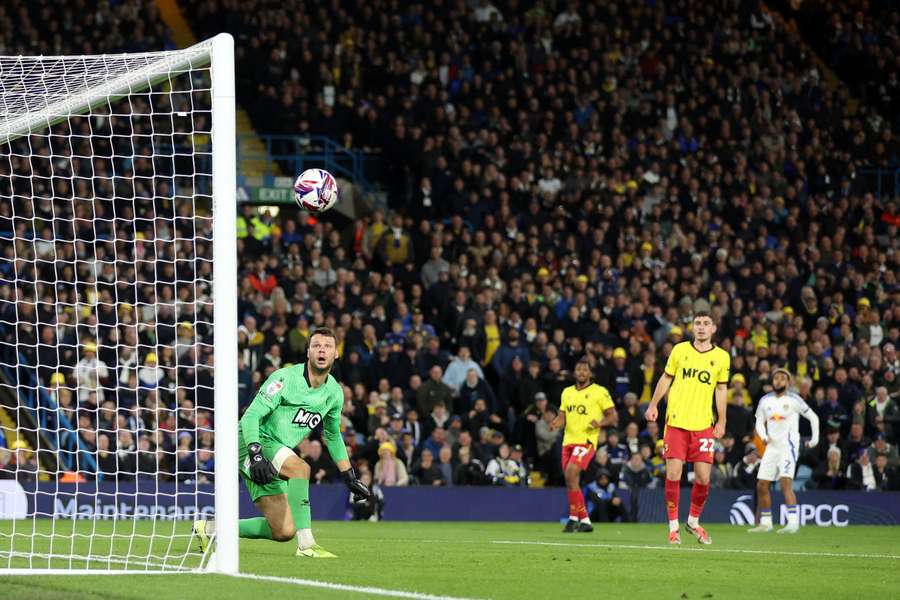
112	510
823	515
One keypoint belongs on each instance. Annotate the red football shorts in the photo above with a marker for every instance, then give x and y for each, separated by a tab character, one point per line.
578	454
689	446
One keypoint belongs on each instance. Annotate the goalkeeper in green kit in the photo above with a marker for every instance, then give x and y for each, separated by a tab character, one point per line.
289	405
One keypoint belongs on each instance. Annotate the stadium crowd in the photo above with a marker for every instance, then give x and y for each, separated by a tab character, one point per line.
565	180
105	308
861	42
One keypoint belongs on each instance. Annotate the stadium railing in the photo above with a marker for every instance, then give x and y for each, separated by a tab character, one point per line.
882	182
295	153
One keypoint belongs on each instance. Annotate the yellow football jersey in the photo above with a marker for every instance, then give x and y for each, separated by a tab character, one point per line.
695	373
582	407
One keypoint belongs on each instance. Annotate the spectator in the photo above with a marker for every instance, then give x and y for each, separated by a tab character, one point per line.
738	419
620	377
408	453
857	441
459	368
737	392
90	374
605	505
617	452
473	389
721	471
635	477
389	471
426	472
433	267
860	473
26	467
433	392
469	471
830	475
548	442
743	475
631	412
479	417
880	447
505	470
395	247
885	476
882	414
446	465
435	442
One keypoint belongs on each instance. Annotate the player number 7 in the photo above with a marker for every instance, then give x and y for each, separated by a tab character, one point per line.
706	444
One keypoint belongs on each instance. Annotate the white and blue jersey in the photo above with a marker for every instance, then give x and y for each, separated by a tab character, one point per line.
778	424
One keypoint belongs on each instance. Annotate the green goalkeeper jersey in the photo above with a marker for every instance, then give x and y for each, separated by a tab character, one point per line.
286	410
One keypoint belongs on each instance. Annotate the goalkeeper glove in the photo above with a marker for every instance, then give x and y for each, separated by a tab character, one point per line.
262	472
361	492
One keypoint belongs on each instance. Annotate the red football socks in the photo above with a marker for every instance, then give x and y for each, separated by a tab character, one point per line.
577	509
672	489
699	494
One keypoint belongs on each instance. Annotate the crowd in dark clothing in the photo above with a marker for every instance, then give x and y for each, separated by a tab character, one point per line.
106	269
572	179
566	181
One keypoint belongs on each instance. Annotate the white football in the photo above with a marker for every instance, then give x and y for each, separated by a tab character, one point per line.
316	190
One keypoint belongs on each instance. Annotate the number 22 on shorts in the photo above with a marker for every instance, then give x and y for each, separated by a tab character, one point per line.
579	452
707	444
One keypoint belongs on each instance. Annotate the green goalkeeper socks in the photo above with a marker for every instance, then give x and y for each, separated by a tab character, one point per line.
298	499
255	529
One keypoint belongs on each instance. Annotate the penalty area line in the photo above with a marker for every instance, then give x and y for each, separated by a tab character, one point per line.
721	550
343	587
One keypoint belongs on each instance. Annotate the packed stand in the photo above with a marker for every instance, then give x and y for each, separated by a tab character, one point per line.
105	298
568	180
861	42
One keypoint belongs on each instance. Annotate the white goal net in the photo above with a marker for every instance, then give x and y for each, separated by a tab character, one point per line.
117	411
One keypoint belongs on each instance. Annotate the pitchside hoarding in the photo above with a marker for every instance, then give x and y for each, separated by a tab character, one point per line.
188	501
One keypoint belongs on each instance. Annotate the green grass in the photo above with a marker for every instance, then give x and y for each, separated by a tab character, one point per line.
463	559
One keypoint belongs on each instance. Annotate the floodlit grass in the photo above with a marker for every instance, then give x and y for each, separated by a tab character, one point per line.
473	560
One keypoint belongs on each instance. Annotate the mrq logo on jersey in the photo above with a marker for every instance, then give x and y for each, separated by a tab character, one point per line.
823	515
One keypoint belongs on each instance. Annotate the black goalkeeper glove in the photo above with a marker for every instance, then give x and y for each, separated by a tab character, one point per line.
262	471
361	491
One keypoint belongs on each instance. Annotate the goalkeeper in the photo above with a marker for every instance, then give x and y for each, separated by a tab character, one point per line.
291	403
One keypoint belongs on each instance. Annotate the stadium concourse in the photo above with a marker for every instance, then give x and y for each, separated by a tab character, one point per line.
565	180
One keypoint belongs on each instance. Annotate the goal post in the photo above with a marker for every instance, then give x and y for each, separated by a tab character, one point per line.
225	290
118	311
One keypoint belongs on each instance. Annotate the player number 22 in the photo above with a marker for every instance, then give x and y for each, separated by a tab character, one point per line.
706	444
579	452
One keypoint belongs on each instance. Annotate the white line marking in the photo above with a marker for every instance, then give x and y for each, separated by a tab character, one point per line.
677	549
360	589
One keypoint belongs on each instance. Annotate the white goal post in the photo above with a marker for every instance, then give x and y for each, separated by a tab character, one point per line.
118	311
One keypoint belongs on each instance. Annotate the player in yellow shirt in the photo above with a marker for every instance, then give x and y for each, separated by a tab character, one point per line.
584	408
696	372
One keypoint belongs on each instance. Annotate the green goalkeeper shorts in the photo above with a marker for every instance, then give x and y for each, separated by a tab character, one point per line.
277	455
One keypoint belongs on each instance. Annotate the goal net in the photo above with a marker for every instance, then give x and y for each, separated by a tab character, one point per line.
118	412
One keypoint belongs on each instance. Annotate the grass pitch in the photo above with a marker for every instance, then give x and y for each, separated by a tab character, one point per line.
487	560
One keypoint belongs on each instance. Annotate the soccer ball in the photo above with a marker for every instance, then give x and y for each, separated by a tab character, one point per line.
316	190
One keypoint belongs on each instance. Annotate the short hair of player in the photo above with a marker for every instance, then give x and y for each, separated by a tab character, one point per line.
326	331
587	364
704	313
